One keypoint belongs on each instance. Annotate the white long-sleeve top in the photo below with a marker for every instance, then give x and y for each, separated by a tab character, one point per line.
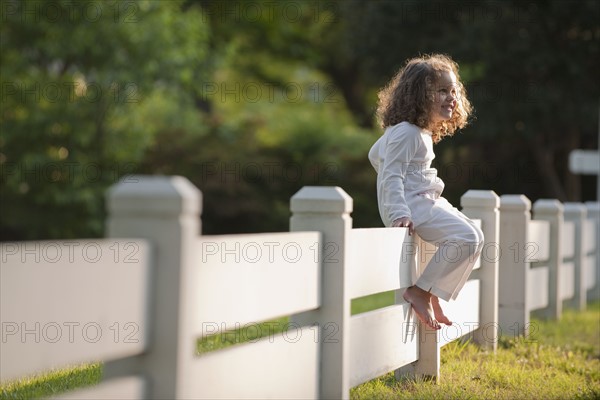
402	158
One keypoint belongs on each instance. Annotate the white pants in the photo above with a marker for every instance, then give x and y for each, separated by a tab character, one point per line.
458	239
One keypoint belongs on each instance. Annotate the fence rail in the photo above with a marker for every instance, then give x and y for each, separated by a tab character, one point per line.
67	302
140	305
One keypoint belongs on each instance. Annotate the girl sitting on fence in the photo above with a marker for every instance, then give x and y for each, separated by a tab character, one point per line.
424	102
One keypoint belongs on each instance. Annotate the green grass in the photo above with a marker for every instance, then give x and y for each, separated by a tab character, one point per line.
52	383
248	333
559	360
517	371
372	302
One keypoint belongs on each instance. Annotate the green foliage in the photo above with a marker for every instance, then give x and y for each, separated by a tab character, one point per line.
86	87
275	124
253	100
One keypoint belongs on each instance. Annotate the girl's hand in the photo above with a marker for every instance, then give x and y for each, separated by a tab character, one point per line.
404	222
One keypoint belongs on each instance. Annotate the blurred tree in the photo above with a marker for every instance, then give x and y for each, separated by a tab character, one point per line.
253	100
275	122
511	60
85	88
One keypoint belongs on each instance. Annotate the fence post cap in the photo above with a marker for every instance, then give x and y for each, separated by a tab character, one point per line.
548	206
575	209
480	199
154	194
321	199
593	206
515	202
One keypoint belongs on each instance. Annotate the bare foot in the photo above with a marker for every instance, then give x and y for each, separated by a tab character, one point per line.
420	301
438	312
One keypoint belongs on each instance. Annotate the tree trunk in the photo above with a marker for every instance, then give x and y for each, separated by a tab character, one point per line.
348	80
572	181
544	159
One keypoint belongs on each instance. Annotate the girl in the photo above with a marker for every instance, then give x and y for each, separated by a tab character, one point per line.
424	102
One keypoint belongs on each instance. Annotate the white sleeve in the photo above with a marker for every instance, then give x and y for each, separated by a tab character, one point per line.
399	151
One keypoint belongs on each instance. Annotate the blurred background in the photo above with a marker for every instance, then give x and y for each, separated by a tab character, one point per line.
251	100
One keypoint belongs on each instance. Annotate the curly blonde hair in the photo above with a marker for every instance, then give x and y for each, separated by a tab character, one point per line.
410	94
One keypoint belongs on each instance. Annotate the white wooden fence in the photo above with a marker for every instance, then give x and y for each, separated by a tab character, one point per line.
140	299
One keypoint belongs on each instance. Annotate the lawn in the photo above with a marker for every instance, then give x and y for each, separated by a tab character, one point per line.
559	360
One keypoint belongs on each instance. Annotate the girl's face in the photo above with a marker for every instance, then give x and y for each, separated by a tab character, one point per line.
444	99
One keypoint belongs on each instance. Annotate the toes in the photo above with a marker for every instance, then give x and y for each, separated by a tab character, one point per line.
428	320
438	312
443	319
433	324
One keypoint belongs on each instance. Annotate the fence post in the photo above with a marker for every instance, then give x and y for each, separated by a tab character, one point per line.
327	210
483	205
166	211
552	211
593	214
513	269
427	365
576	212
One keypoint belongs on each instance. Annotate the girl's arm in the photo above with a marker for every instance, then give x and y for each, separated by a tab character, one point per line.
400	149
